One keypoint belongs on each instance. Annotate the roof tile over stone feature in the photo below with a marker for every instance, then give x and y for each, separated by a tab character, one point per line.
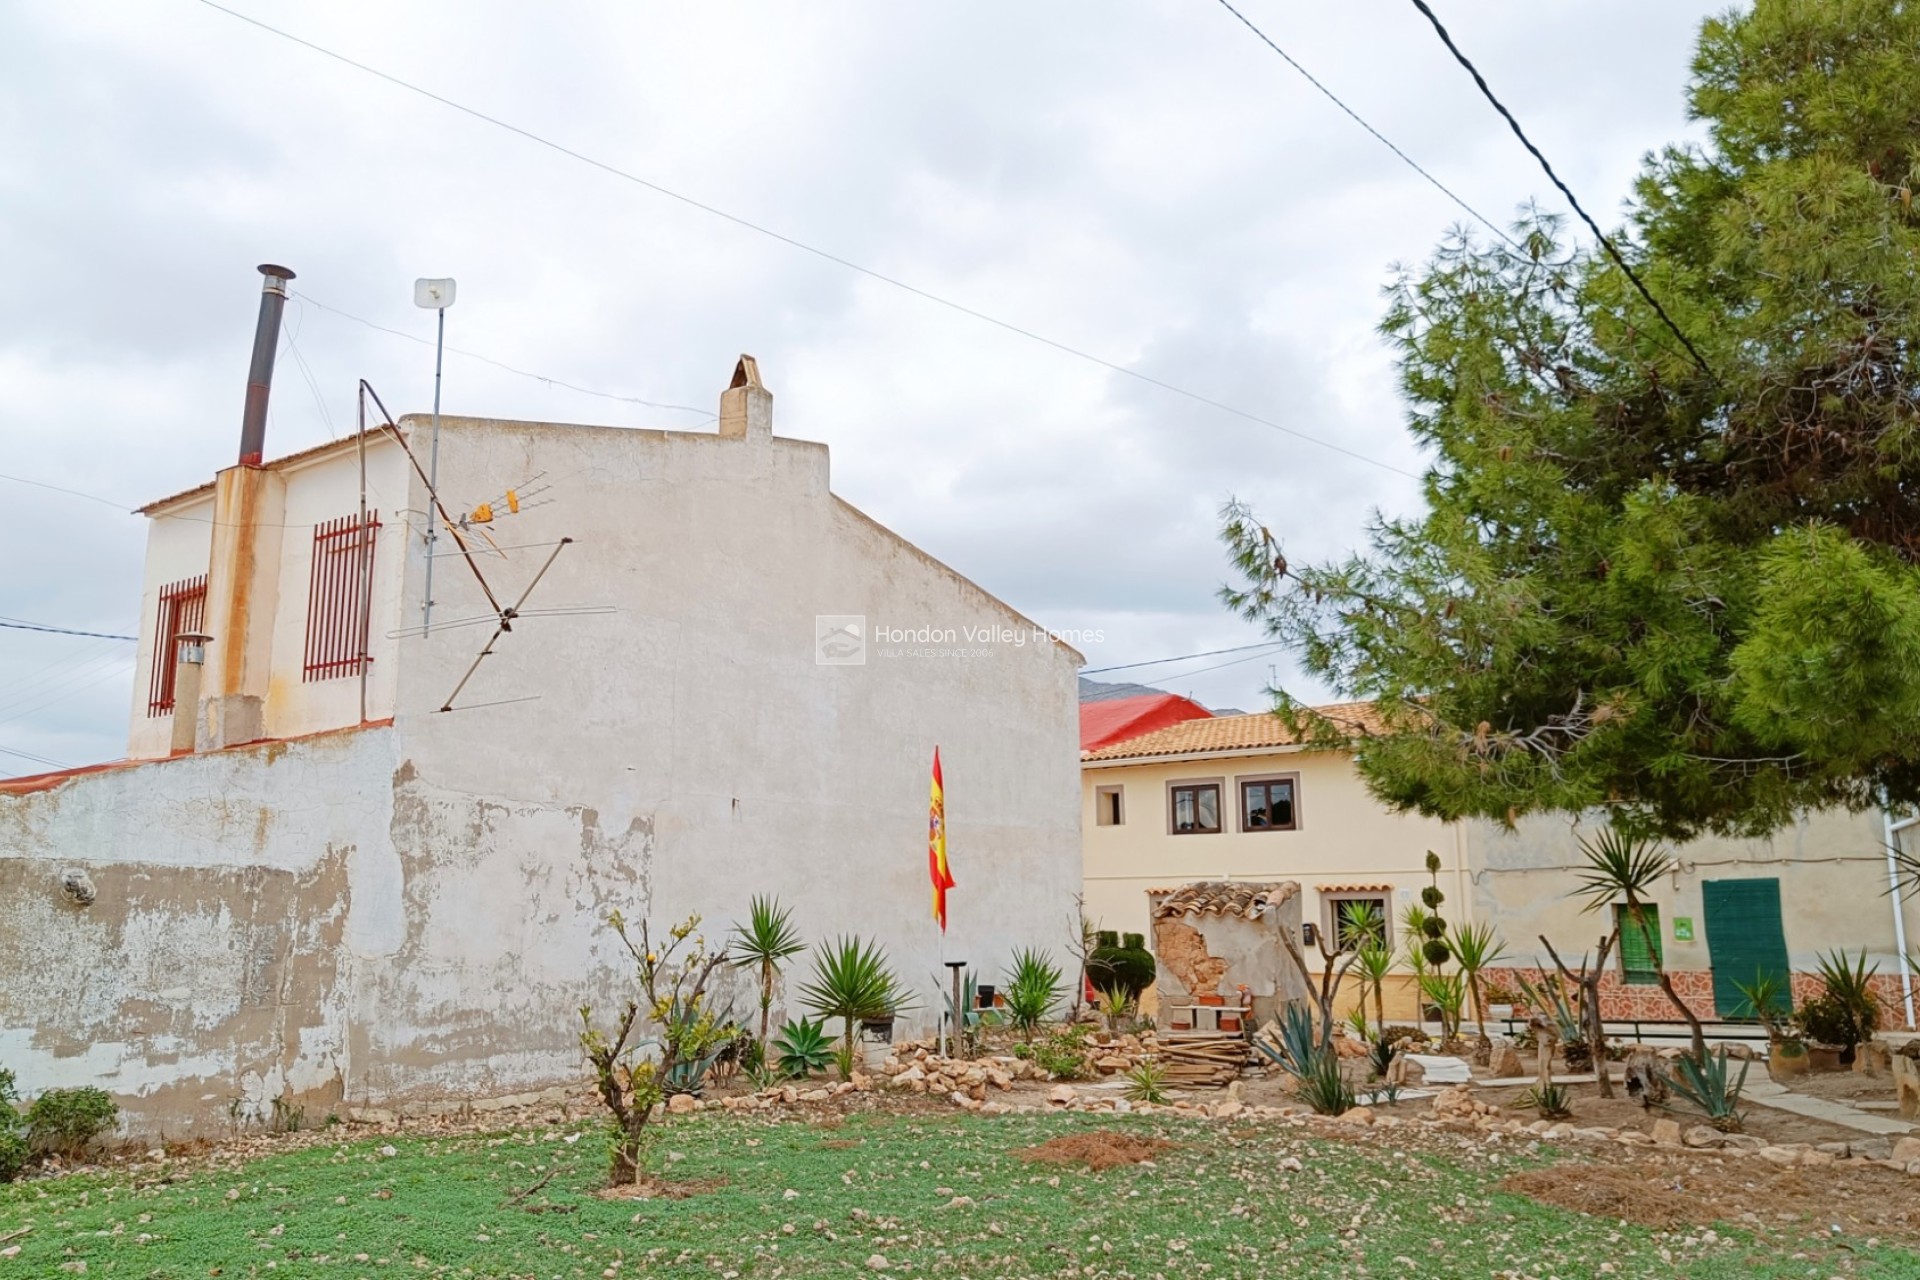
1246	898
1222	734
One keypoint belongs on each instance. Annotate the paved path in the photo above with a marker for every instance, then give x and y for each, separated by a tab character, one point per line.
1764	1092
1777	1096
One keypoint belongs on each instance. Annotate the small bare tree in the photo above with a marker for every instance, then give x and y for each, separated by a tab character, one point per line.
1082	935
1587	980
1333	971
672	980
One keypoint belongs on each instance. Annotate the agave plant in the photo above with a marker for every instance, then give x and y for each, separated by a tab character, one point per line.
762	945
1116	1005
1710	1086
1552	1101
1324	1086
804	1048
1033	989
852	981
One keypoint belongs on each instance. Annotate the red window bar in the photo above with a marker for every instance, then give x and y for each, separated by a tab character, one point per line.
183	608
337	597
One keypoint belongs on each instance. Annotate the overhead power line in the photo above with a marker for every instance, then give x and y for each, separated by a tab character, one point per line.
1606	241
823	254
1161	662
17	625
1334	98
524	373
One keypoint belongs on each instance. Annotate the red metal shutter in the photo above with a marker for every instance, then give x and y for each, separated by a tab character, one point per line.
182	608
338	600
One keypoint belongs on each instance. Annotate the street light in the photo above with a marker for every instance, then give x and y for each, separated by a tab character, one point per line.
435	295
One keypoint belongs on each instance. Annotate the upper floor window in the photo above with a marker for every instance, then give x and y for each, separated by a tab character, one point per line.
1269	804
1109	806
1195	808
182	609
339	597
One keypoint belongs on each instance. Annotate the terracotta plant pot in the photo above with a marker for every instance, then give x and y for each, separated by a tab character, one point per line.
1822	1057
1229	1022
1179	1026
1788	1061
1215	1001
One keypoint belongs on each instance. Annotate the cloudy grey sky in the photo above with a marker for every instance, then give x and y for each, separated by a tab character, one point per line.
1145	182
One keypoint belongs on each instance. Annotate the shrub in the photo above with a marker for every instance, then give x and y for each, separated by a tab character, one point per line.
65	1122
1848	1010
13	1145
1552	1101
1033	989
1062	1054
1121	965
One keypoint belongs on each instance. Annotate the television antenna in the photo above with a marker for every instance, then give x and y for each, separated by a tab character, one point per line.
502	616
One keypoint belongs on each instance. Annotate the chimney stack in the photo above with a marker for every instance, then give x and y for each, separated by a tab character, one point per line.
266	341
746	407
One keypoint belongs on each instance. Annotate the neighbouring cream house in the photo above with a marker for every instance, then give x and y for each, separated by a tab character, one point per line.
351	861
1237	798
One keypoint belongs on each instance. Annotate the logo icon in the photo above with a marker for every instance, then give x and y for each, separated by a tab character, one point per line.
840	639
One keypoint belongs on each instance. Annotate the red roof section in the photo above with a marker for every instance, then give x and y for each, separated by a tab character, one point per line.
1118	719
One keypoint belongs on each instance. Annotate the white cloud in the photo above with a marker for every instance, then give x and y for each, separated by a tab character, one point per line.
1148	184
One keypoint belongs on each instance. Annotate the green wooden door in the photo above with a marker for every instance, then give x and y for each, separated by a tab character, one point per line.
1744	937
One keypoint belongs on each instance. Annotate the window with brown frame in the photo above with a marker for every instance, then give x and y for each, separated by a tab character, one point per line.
1195	808
1346	924
1270	804
1109	806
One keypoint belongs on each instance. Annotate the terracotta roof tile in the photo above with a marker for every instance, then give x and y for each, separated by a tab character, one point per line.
1233	733
1222	897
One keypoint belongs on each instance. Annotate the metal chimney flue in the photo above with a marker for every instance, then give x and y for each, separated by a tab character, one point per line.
266	341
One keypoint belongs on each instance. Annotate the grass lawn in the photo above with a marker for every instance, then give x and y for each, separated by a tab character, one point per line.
934	1194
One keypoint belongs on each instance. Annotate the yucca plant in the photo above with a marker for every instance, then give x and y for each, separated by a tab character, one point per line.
852	981
1146	1082
1477	948
1710	1086
1851	983
1446	992
1116	1006
1033	989
804	1048
761	946
1768	1001
1621	866
1373	961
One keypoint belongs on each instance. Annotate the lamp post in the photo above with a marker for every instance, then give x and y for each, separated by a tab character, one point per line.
435	295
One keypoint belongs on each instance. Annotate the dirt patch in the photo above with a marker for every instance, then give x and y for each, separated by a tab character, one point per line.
1101	1149
841	1144
1677	1191
1845	1086
652	1188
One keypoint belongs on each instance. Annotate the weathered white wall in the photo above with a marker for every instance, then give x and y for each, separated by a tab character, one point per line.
415	912
209	969
687	751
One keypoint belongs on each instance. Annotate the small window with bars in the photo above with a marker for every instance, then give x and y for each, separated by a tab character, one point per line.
182	609
1639	946
339	593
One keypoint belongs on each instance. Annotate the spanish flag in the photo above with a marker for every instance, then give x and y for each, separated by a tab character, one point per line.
937	868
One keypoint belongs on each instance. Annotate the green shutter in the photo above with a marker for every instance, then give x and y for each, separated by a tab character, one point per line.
1639	947
1745	937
